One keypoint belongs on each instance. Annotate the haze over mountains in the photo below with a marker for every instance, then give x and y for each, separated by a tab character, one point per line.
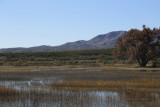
103	41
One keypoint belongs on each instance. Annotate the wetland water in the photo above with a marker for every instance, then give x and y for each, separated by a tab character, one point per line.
34	89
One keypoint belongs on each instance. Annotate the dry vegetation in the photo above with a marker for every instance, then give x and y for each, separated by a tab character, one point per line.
7	91
138	83
117	67
137	92
82	87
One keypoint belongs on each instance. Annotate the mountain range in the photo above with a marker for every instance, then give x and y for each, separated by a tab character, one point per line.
102	41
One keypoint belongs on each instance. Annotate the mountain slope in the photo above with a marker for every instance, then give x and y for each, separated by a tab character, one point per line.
99	42
106	40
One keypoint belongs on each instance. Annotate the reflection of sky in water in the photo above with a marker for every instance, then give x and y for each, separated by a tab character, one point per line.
34	82
97	98
81	99
87	99
103	94
37	84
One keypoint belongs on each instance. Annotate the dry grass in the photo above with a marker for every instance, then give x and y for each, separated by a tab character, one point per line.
135	91
118	67
138	83
7	91
132	67
24	68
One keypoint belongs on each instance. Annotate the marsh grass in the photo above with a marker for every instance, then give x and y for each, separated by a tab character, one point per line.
137	91
82	88
8	94
53	98
137	83
7	91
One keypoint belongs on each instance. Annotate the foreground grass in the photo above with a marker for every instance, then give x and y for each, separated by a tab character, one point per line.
7	92
137	83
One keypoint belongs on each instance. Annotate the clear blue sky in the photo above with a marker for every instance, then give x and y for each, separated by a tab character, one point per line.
26	23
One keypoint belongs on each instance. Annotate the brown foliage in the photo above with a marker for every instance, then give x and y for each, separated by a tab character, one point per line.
141	45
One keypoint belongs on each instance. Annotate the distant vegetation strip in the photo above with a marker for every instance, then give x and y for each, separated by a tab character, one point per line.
86	57
90	58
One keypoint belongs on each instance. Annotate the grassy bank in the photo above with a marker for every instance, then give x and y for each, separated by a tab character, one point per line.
117	67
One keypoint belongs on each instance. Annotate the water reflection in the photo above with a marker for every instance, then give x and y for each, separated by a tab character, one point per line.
37	93
80	98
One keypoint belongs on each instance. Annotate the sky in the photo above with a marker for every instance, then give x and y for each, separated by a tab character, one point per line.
27	23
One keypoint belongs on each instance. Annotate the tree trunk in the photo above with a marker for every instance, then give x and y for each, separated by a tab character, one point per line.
143	64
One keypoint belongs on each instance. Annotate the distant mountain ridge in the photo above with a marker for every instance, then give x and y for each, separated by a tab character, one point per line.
103	41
